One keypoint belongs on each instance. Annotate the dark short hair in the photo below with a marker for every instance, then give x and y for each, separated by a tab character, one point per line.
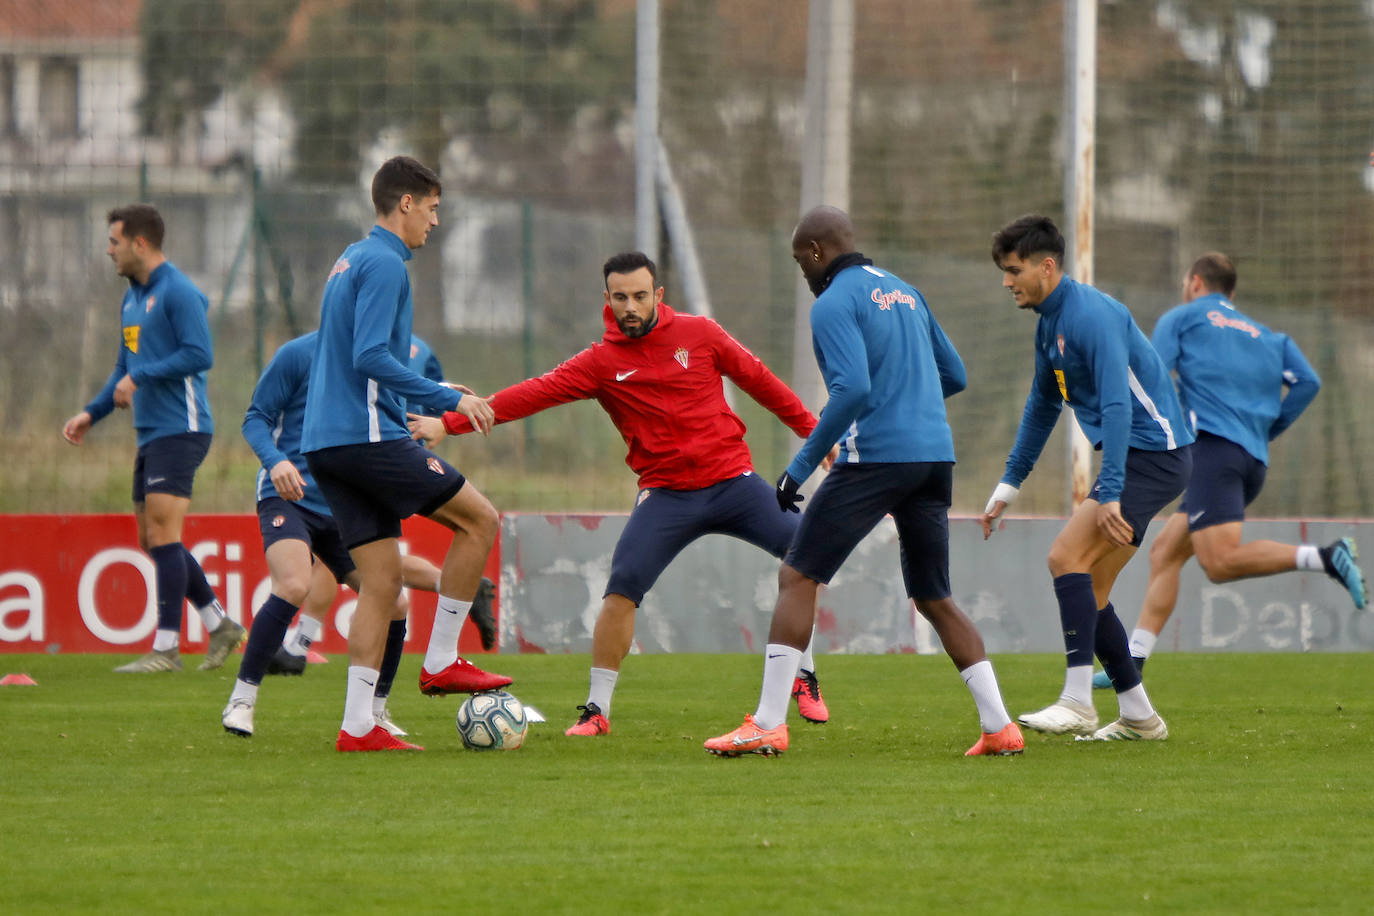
399	176
1216	272
140	221
627	262
1027	236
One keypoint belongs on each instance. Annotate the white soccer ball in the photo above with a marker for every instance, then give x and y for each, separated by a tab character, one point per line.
490	721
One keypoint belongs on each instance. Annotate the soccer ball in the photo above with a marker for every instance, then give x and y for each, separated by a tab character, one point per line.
490	721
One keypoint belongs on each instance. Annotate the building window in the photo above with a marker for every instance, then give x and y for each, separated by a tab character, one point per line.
57	96
11	281
7	125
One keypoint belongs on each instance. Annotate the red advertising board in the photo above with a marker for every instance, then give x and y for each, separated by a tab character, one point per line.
79	583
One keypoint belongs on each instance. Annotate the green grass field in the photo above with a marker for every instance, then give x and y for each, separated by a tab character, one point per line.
123	794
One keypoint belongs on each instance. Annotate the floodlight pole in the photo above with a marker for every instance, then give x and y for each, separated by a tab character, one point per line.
825	156
1080	89
646	127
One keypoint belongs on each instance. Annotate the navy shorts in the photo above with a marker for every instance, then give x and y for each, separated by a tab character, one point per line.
371	486
281	520
168	464
1226	478
663	522
851	502
1153	480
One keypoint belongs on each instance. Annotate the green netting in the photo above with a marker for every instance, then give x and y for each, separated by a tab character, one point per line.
255	124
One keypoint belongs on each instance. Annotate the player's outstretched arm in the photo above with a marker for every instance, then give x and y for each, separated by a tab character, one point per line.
573	380
478	411
758	381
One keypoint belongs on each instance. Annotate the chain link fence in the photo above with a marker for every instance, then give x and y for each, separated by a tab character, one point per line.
256	124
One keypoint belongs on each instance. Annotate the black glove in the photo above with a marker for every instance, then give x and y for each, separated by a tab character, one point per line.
787	494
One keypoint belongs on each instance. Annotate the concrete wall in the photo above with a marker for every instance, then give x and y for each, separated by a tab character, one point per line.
718	595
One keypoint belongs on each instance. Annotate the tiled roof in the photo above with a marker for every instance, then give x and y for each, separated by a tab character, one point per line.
39	19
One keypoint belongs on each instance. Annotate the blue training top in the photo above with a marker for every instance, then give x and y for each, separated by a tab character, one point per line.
359	375
1232	372
166	351
888	368
272	424
424	362
1090	353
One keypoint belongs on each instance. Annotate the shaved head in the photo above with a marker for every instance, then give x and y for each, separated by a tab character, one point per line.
829	227
824	234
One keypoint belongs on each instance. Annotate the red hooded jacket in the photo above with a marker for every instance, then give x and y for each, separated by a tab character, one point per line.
664	394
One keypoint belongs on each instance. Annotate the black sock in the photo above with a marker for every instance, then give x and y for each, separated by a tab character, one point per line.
197	588
170	562
391	657
1078	614
264	637
1114	649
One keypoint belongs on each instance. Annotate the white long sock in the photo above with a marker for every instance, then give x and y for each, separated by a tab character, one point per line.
1135	704
602	685
166	639
780	664
982	683
244	691
449	617
306	633
1078	685
1142	643
808	658
362	685
1309	558
211	615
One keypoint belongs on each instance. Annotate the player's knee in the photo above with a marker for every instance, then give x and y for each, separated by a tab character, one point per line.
1217	569
1214	572
388	592
618	608
1059	562
1217	565
292	589
486	524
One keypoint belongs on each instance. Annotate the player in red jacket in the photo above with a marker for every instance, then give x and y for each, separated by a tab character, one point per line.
658	374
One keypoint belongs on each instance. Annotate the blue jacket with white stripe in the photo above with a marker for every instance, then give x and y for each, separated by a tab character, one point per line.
1090	354
166	350
272	423
888	368
1232	372
360	377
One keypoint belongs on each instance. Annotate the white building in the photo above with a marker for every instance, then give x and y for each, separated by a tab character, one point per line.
71	147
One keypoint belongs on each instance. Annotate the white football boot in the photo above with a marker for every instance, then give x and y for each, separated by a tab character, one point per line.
1123	729
1062	718
238	718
